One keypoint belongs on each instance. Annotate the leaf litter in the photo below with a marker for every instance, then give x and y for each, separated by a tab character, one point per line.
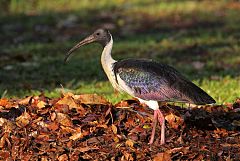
88	127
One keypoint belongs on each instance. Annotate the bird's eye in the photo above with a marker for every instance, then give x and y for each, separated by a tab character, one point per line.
98	33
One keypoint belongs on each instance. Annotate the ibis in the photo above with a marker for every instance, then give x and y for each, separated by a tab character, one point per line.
148	81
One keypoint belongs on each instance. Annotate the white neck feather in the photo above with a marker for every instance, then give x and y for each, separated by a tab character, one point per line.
106	58
107	62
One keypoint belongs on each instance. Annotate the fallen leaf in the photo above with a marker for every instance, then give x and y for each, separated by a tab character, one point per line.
53	126
174	121
4	154
228	158
127	156
3	102
218	133
76	136
183	150
3	140
23	120
116	139
2	121
67	94
44	158
7	126
64	119
53	116
41	104
129	143
63	157
86	149
91	99
164	156
25	101
67	129
42	138
138	129
69	100
114	129
33	134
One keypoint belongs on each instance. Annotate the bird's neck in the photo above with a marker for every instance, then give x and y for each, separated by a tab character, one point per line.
107	63
106	58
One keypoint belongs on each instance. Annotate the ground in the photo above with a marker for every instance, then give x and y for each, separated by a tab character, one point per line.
88	127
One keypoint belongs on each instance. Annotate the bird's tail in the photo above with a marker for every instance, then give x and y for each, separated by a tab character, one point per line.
196	95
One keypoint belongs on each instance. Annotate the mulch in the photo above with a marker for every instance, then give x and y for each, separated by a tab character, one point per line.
88	127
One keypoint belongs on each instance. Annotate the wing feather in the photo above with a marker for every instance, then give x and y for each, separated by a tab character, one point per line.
150	80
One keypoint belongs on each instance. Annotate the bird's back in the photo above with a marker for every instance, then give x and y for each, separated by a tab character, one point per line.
150	80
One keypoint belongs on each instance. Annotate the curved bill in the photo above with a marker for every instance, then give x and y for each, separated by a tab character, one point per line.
86	41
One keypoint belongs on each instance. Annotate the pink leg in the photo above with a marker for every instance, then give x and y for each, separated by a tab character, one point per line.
158	116
154	126
161	120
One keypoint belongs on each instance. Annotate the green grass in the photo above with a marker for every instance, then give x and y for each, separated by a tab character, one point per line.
36	35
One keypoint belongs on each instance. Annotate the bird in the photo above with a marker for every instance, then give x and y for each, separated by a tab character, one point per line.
149	81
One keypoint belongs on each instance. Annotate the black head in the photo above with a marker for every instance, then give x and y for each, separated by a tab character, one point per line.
101	36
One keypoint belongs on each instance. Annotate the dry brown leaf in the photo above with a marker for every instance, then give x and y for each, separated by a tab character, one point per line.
68	100
125	103
91	99
25	101
33	134
42	124
184	150
129	143
3	102
51	130
228	158
174	121
78	134
63	157
4	154
42	138
41	104
3	140
68	94
23	120
67	129
137	129
8	126
164	156
102	126
130	122
87	148
127	156
218	133
64	119
44	158
2	121
114	129
53	116
53	126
